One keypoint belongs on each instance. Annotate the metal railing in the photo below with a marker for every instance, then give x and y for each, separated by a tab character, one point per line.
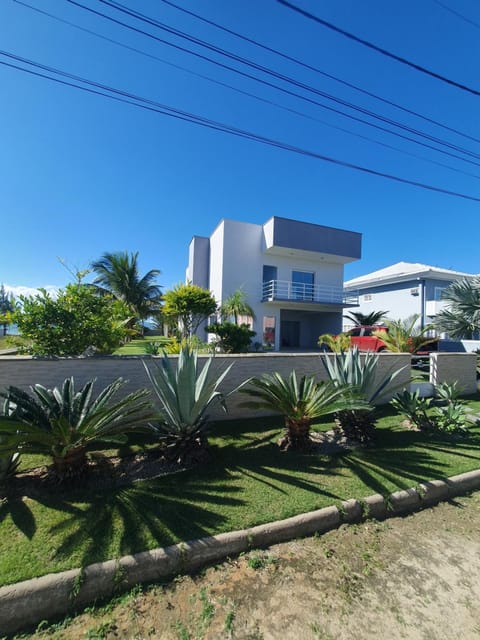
301	292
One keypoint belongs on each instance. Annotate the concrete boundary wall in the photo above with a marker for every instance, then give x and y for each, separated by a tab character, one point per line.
26	603
24	371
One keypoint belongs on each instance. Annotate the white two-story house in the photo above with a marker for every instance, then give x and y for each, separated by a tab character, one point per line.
291	273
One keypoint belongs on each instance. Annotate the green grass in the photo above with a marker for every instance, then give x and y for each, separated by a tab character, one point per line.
137	347
247	482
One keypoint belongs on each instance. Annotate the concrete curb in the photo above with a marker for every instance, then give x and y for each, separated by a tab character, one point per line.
26	603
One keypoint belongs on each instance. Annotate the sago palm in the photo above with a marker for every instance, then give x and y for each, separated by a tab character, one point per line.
405	336
185	394
299	401
62	423
118	274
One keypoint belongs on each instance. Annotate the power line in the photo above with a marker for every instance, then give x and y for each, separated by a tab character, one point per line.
251	95
319	71
151	105
378	49
277	75
458	14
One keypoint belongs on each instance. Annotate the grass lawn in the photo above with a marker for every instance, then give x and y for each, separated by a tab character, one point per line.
247	482
137	347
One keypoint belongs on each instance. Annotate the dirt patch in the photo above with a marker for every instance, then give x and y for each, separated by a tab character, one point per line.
406	578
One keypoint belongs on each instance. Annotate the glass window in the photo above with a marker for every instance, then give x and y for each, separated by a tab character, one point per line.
438	293
302	285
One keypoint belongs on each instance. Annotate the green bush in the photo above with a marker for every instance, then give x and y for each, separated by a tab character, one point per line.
77	319
232	338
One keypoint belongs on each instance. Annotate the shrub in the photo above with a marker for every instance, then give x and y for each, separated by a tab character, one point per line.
232	338
185	395
62	423
357	373
300	402
69	324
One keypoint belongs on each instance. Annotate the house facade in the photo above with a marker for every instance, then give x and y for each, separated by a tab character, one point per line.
291	273
404	289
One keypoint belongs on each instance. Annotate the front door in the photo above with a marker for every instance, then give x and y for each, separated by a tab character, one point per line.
289	334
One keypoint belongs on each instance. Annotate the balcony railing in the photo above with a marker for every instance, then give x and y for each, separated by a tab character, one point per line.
281	290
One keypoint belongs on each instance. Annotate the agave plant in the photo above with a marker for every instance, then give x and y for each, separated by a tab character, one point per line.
300	401
358	372
63	423
185	395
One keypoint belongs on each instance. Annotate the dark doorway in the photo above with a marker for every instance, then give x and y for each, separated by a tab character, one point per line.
290	334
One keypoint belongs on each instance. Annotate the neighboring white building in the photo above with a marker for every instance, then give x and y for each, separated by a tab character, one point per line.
404	289
290	271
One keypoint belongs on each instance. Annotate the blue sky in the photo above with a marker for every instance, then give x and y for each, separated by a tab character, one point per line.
81	174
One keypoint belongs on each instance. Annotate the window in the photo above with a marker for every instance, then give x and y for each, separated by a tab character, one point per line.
269	281
302	285
269	332
438	292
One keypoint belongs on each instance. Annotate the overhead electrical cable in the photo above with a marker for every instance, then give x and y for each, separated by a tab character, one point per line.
380	50
458	14
270	72
151	105
310	67
247	93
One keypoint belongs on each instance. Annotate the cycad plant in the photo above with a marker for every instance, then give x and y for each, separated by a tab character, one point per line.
185	394
62	423
357	372
300	401
404	336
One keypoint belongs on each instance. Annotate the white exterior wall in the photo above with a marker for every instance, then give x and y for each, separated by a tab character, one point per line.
399	304
216	262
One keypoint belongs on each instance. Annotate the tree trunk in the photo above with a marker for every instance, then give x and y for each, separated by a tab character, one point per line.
298	435
72	463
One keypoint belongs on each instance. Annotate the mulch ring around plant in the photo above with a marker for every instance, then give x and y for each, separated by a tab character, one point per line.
100	473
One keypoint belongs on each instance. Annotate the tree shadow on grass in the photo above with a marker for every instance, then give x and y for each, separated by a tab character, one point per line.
402	459
143	516
21	515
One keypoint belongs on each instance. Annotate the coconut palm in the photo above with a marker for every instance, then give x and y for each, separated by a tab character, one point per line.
185	395
462	317
358	373
300	402
365	319
63	423
117	274
236	305
405	336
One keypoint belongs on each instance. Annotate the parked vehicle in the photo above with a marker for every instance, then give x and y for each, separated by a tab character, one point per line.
364	340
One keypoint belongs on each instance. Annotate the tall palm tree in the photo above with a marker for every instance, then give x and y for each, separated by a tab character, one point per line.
366	319
462	317
236	305
117	274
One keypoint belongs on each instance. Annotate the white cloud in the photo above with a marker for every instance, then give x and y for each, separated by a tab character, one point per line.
30	291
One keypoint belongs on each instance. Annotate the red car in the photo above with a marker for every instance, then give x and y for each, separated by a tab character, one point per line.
363	338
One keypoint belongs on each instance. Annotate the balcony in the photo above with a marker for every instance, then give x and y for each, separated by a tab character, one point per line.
287	291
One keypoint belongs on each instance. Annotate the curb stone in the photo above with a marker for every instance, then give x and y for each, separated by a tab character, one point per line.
25	604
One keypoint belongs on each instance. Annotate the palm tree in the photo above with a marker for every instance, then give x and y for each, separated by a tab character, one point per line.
117	274
404	336
365	320
236	305
300	402
462	317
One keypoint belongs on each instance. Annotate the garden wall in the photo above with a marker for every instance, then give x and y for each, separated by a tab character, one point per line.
446	367
24	371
